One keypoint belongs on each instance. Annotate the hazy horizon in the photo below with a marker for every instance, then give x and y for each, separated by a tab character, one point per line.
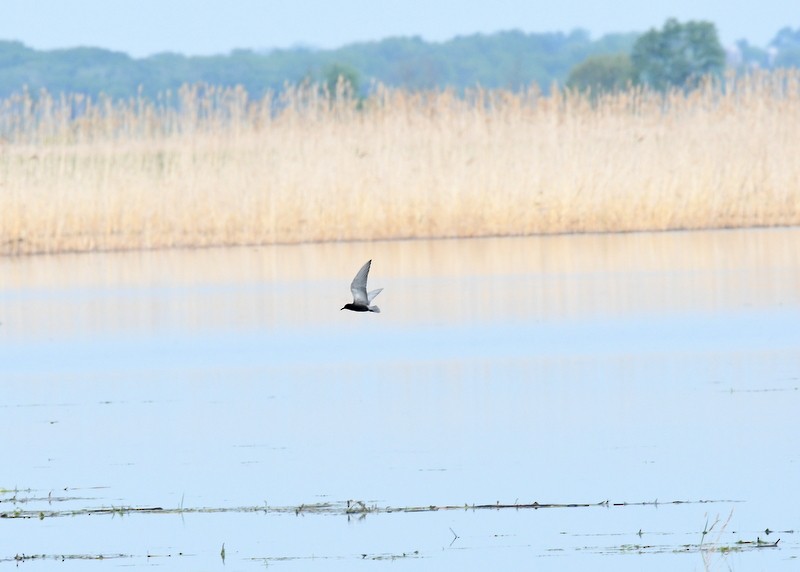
148	27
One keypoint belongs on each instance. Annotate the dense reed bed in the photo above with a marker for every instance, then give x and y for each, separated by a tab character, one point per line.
208	166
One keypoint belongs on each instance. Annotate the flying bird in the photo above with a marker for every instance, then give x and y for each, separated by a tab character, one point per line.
362	299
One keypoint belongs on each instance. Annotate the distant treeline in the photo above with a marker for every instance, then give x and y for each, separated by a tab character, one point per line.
502	60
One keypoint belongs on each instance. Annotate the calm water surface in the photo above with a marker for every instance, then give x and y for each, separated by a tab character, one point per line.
640	368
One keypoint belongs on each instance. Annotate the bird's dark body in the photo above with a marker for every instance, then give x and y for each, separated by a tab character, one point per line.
356	308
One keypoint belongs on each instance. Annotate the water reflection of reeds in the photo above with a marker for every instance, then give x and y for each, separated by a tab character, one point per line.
433	282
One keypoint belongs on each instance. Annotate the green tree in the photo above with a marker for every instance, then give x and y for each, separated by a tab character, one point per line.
338	75
749	56
787	48
602	73
678	54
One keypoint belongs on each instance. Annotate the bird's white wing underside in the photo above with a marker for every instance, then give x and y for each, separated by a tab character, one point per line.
359	285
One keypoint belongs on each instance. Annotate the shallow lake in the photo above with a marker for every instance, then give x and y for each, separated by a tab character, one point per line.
625	402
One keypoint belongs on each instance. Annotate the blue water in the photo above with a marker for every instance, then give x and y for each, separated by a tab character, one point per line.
555	370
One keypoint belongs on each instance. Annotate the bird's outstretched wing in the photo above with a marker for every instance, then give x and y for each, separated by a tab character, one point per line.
371	295
359	285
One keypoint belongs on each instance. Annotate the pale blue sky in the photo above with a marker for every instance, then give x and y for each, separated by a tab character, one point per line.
145	27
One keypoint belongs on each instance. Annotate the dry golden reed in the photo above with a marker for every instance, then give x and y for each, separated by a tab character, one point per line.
208	166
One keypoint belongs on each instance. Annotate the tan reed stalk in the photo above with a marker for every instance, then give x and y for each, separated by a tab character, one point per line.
208	166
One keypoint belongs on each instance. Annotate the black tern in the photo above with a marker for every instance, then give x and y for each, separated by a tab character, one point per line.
362	299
